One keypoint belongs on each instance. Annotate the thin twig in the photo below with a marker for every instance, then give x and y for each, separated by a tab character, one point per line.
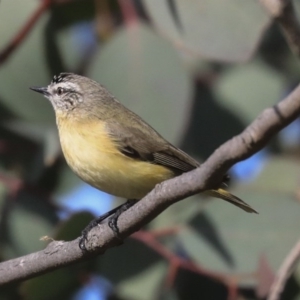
284	272
128	11
177	262
25	30
284	13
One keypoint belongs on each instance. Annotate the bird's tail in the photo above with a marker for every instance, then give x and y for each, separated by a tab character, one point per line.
225	195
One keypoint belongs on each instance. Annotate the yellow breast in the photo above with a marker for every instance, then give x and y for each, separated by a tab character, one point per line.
95	158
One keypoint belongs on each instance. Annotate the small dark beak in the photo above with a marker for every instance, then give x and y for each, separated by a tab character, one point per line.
42	90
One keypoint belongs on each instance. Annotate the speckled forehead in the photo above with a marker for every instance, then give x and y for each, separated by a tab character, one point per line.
60	78
67	85
56	79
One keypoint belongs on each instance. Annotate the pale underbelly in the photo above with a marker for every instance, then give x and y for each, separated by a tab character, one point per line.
119	175
95	158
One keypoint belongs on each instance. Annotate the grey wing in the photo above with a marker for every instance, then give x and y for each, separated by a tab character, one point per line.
146	144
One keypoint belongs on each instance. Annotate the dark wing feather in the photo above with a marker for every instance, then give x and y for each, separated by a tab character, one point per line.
146	144
174	158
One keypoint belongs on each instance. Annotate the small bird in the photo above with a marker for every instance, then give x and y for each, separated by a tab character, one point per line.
112	148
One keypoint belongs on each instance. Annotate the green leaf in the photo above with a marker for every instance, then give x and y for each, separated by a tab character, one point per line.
228	30
179	214
144	285
127	262
27	227
71	228
247	90
59	284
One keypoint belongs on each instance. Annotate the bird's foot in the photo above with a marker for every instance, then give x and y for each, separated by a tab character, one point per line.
114	214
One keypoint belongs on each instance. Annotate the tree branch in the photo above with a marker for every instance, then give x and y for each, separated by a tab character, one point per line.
101	238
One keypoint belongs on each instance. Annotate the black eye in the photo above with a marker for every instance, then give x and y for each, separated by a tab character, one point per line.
60	91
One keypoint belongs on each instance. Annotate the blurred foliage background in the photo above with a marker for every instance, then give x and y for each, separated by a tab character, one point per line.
198	71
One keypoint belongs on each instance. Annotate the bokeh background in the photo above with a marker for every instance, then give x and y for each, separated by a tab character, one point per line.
199	72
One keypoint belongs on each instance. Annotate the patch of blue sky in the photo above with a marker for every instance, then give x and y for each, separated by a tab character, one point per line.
290	135
85	197
249	168
83	36
98	288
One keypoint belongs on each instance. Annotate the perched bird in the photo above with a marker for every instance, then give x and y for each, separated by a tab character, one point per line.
112	148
